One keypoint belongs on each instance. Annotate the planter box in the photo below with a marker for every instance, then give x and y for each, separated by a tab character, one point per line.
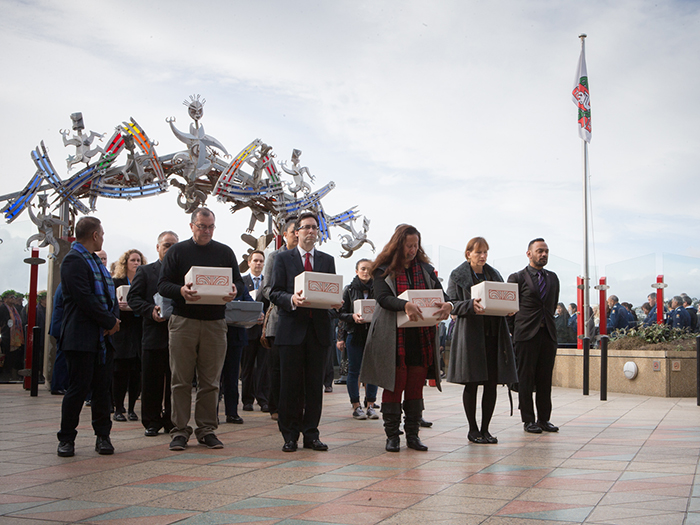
365	307
321	290
660	373
212	284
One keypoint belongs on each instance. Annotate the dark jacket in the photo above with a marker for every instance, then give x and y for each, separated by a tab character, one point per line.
379	359
347	325
254	332
293	323
533	310
84	317
468	362
140	299
127	341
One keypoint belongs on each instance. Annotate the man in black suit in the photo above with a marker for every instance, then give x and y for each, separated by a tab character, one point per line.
303	336
90	317
155	368
535	337
255	376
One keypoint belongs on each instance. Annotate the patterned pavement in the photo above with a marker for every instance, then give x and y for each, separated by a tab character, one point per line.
630	459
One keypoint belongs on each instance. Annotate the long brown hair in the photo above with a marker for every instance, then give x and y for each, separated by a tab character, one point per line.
391	255
120	269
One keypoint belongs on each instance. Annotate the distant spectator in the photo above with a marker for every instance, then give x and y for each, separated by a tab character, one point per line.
692	311
651	316
646	308
618	319
573	321
630	310
561	322
679	316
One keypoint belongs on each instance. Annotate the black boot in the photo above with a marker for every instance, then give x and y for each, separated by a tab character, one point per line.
391	413
413	412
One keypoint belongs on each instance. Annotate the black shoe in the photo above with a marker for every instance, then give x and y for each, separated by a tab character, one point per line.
328	389
393	444
58	392
248	407
118	416
88	403
547	426
151	431
316	444
476	437
532	428
415	443
104	446
264	408
425	424
488	438
178	443
290	446
133	416
66	449
210	441
238	420
340	382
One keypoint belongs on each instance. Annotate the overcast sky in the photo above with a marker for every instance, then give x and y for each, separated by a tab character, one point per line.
455	116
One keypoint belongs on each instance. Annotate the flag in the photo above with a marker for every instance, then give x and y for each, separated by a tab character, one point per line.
582	98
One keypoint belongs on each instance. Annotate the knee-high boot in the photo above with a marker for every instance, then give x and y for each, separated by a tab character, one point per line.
391	413
413	412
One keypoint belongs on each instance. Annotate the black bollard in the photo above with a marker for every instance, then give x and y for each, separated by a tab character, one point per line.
586	363
34	387
604	368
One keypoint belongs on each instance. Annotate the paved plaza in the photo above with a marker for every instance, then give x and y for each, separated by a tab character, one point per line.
631	459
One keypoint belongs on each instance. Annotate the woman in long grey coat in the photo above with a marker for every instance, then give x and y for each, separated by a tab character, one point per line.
481	351
400	359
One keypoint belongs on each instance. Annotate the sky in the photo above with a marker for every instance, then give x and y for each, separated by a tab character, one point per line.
454	116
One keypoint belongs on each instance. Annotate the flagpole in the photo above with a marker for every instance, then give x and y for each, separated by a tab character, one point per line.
586	278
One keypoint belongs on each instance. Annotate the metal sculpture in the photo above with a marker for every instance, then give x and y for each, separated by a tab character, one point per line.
249	180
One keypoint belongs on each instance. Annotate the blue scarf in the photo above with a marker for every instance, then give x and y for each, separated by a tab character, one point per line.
101	277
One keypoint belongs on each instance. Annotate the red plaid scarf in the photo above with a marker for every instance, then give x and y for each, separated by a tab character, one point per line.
427	333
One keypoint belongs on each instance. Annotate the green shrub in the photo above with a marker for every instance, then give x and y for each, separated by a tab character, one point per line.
654	334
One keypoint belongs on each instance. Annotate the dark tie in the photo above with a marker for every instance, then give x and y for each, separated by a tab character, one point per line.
307	263
542	282
256	283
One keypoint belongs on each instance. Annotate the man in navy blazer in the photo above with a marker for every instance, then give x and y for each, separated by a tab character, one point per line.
90	317
303	337
535	337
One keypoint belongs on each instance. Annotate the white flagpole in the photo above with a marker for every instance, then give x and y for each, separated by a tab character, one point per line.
586	278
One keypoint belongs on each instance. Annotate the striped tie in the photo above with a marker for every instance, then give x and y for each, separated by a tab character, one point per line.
542	282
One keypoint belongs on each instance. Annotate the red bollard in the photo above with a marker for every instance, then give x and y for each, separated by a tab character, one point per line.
581	313
660	285
34	261
602	287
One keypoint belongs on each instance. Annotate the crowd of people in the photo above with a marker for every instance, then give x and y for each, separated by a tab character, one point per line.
158	342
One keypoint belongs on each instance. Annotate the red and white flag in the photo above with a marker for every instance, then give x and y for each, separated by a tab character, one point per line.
582	98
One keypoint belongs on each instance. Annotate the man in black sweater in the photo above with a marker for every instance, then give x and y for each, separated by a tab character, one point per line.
197	331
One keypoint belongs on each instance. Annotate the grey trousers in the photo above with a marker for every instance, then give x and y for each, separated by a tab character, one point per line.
196	346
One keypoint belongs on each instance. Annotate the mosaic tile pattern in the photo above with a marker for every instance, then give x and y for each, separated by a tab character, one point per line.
630	459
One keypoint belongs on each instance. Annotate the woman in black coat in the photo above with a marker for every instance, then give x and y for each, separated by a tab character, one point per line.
481	351
353	336
127	341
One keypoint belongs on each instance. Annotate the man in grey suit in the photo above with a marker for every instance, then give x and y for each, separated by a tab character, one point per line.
535	337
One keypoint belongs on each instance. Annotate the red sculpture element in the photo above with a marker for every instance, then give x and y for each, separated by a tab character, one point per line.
368	309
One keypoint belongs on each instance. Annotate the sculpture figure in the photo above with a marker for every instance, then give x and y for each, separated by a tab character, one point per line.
82	143
45	222
297	174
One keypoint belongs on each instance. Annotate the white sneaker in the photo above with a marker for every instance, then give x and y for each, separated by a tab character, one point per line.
371	413
358	413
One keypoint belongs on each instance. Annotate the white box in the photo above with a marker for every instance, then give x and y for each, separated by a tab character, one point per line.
365	307
425	299
499	299
212	284
243	313
122	292
321	290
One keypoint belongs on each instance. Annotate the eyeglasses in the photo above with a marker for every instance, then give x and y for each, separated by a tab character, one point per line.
311	227
205	227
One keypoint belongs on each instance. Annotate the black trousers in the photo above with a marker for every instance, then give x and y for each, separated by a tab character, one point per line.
85	372
274	370
255	374
155	391
301	387
535	365
126	377
229	377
